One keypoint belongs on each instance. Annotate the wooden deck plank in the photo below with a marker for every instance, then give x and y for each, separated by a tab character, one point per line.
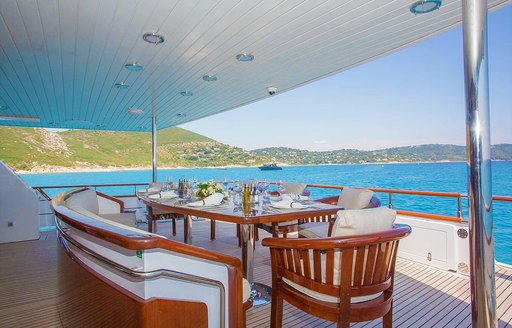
424	297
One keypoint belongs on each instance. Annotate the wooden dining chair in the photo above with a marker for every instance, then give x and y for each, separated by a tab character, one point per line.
339	279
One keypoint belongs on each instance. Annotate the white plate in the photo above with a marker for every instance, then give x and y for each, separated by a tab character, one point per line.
204	206
157	196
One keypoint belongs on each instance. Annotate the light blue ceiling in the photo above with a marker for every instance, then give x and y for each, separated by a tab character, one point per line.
59	59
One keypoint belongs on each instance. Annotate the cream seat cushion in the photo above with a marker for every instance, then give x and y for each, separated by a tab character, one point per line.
354	198
123	218
364	221
314	229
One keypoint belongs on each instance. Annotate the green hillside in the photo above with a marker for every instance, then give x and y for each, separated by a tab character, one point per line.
39	150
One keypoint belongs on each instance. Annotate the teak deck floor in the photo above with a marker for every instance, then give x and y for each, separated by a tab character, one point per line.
424	297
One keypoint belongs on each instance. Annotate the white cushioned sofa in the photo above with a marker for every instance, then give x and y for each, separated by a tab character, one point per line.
168	283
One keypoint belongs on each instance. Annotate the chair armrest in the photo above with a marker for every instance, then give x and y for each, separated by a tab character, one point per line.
397	232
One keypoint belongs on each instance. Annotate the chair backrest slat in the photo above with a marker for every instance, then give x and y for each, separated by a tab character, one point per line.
384	274
289	259
329	266
306	262
370	264
379	263
359	265
297	262
317	265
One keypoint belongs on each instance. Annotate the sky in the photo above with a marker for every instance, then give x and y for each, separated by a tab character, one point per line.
414	96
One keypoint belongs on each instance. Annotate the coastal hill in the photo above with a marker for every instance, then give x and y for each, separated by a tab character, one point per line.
422	153
39	150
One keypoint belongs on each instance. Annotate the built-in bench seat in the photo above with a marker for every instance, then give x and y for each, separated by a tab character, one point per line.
166	283
88	201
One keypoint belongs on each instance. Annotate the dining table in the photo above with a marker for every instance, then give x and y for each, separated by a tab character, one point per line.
248	216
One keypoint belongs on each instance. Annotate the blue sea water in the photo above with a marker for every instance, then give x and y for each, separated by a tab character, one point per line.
443	177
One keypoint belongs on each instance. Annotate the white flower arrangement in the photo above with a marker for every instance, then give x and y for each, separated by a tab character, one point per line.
205	189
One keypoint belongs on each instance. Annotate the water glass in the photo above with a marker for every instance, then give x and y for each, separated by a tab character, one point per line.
237	198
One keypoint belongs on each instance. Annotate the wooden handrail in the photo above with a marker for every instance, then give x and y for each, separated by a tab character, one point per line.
94	185
430	216
502	198
397	191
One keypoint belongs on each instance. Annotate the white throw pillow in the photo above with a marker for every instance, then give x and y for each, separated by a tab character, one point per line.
86	199
294	188
363	221
353	199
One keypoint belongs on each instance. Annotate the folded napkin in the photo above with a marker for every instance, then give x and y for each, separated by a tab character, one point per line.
214	199
298	197
152	189
164	194
286	203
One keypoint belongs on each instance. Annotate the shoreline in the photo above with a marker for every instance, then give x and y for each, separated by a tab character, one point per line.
58	170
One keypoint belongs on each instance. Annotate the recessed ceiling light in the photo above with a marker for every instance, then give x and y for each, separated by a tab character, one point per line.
209	78
4	107
20	118
186	93
425	6
153	38
133	66
244	57
135	111
121	85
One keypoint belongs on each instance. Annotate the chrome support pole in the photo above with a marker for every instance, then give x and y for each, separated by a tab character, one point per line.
153	140
478	148
188	228
248	251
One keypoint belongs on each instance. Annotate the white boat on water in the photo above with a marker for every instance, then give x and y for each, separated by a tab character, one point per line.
130	65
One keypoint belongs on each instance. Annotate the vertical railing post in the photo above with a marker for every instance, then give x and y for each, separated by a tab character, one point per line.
459	207
390	200
478	148
153	138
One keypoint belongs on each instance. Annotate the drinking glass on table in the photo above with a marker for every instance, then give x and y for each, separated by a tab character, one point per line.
237	198
168	184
